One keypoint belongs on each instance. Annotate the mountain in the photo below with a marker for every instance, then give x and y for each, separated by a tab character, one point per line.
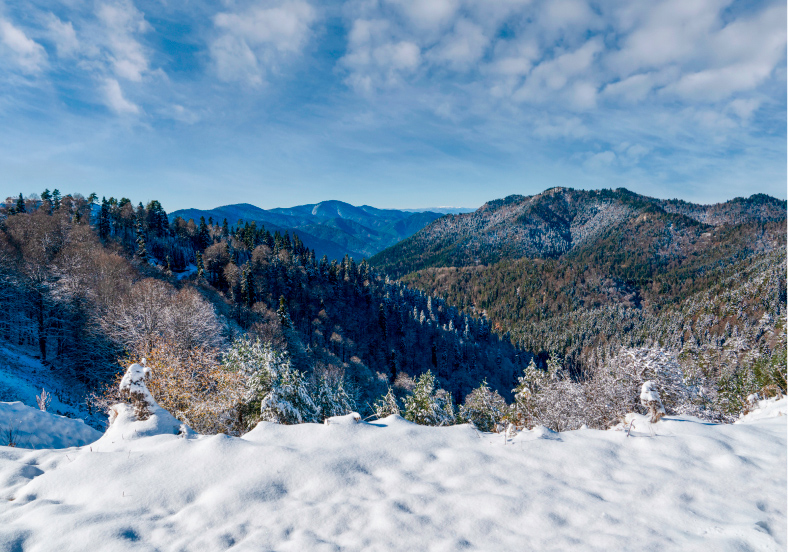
579	275
331	228
560	220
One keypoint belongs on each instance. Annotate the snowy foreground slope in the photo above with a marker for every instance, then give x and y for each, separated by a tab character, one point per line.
394	485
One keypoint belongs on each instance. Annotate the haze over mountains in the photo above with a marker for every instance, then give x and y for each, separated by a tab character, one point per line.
331	228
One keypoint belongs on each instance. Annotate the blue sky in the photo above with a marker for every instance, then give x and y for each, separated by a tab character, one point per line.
391	103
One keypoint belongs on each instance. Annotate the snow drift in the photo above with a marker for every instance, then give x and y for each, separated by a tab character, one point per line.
679	484
35	429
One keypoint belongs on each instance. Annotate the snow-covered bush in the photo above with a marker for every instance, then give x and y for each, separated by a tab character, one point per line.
386	405
484	407
427	406
614	388
332	398
196	389
649	398
549	399
43	400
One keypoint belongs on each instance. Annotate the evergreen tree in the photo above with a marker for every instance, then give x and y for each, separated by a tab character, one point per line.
104	224
56	199
288	401
20	204
203	236
424	406
284	314
484	407
386	405
200	265
332	399
142	252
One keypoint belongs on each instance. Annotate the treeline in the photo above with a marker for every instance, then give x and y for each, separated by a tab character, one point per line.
86	282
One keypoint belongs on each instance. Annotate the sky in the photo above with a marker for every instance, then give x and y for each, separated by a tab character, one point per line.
391	103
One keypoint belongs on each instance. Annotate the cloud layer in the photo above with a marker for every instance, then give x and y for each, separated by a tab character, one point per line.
669	96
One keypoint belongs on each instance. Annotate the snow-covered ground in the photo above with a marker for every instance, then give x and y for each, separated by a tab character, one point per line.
681	484
23	376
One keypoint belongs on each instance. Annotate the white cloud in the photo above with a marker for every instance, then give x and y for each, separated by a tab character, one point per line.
561	127
553	75
121	22
63	35
255	42
23	52
114	99
600	161
464	46
743	108
376	58
427	14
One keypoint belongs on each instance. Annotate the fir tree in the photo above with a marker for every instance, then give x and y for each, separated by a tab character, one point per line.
56	199
142	252
484	407
333	399
424	406
20	204
200	265
386	405
284	314
203	236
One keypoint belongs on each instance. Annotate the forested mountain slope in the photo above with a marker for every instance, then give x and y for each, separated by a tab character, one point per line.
562	220
580	275
82	288
331	228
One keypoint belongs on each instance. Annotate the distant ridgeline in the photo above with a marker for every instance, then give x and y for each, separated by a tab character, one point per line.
332	228
113	277
581	274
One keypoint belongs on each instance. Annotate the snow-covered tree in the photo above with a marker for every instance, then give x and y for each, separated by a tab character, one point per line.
427	407
332	398
649	398
386	405
288	401
484	407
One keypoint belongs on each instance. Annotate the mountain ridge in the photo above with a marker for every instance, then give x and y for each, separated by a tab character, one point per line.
332	227
557	221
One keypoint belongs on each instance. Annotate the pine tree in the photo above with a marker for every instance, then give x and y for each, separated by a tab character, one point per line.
203	236
142	251
20	205
288	401
104	223
386	405
56	199
423	406
333	399
200	265
284	314
484	407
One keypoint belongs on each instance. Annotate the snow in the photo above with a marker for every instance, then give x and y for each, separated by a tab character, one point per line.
36	429
23	376
679	484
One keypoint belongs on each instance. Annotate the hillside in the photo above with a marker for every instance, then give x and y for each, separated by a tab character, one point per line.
562	220
331	228
578	276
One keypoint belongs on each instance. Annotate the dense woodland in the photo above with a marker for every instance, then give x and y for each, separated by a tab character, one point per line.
240	324
90	283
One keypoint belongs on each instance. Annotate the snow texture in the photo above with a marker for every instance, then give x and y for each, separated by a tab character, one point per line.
36	429
679	484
